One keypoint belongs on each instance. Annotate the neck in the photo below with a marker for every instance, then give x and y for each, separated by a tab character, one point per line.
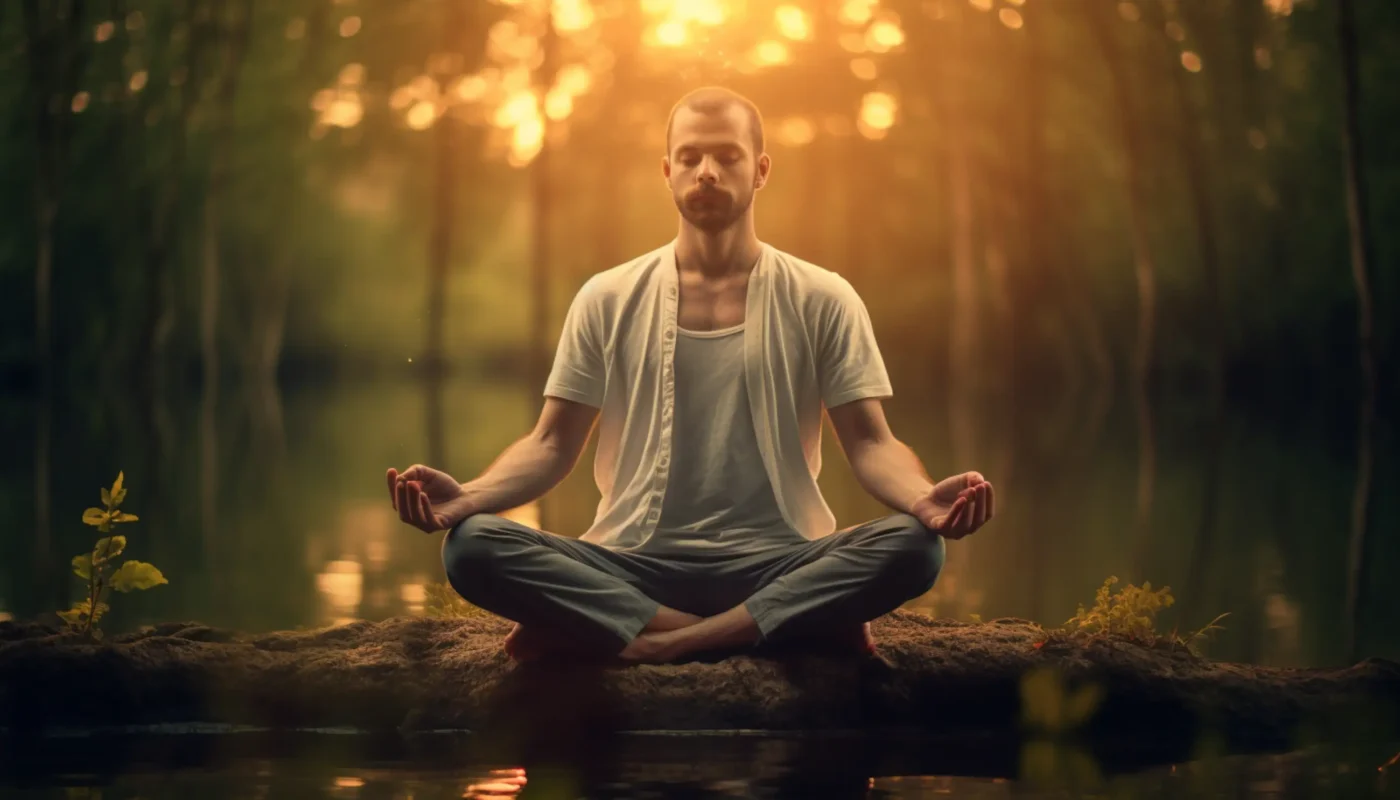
716	254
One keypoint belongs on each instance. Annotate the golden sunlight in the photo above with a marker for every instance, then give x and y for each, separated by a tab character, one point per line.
793	22
138	81
80	102
421	116
1129	12
571	16
796	131
671	33
877	110
1191	61
857	12
884	35
769	53
981	5
349	26
852	42
864	68
104	31
1011	18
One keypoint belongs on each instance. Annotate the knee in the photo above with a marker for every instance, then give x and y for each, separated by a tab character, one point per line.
468	550
917	555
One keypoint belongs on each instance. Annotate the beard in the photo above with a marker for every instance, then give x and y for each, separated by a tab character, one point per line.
712	210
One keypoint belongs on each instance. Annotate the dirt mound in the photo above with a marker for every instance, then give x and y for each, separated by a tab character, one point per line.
423	673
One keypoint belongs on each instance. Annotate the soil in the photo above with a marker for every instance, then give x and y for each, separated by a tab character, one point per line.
419	674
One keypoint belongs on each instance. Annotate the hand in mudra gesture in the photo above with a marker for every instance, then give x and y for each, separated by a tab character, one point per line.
428	499
957	506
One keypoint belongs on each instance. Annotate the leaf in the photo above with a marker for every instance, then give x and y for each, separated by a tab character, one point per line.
108	548
117	491
82	566
122	516
95	516
136	575
76	615
106	497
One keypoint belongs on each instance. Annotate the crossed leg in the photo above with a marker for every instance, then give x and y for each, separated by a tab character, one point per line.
569	595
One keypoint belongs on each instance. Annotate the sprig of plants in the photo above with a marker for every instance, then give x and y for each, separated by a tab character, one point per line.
1131	613
97	567
443	601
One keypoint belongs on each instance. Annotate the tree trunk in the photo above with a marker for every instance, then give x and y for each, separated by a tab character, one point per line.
445	134
1144	269
1189	142
57	58
1359	236
209	296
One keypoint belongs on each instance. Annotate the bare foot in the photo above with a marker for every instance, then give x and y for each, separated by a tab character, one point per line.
848	640
531	644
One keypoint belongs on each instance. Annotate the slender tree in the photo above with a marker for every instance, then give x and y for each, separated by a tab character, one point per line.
1144	266
1359	239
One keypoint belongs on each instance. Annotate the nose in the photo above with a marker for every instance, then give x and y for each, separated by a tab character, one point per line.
707	172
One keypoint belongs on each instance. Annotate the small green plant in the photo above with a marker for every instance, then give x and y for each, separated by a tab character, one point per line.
1131	613
97	566
443	601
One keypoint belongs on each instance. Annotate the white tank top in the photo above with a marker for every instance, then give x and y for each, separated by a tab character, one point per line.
718	493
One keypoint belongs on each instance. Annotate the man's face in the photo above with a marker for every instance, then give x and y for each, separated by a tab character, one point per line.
712	169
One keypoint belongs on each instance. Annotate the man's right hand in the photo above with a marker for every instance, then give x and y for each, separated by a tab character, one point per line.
428	499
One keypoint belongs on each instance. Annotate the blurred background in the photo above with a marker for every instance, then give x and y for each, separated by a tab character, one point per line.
1128	259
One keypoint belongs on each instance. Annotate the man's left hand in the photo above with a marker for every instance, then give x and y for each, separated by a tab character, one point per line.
957	506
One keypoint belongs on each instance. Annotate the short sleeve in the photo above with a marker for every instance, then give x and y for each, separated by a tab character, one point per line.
578	372
849	365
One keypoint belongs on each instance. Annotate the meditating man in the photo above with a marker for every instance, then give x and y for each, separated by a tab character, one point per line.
707	364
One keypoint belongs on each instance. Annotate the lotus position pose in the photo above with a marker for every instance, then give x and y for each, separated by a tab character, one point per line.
707	364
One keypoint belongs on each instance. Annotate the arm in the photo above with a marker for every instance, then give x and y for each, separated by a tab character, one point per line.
955	506
537	462
884	466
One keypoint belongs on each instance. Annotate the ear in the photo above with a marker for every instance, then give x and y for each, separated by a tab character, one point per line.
666	168
765	166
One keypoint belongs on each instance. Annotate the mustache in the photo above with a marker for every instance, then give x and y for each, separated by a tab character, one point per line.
706	193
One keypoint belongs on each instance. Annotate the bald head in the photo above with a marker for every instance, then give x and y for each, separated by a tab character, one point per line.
715	101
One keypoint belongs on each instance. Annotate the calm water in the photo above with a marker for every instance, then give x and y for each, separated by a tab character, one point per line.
453	766
271	512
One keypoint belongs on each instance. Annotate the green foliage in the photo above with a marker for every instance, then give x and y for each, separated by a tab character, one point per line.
443	601
1131	614
96	567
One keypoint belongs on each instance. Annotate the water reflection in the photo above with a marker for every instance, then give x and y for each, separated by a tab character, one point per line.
306	537
496	783
809	768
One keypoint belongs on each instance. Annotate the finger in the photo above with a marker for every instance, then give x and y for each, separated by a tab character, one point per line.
991	501
954	512
969	514
981	518
973	478
415	504
393	476
429	518
401	498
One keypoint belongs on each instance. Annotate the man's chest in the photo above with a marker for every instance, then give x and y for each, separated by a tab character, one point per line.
710	305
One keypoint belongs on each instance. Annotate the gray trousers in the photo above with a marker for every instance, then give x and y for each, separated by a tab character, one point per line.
596	595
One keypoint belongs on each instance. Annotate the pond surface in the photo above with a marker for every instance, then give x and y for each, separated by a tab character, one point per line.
649	766
268	510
